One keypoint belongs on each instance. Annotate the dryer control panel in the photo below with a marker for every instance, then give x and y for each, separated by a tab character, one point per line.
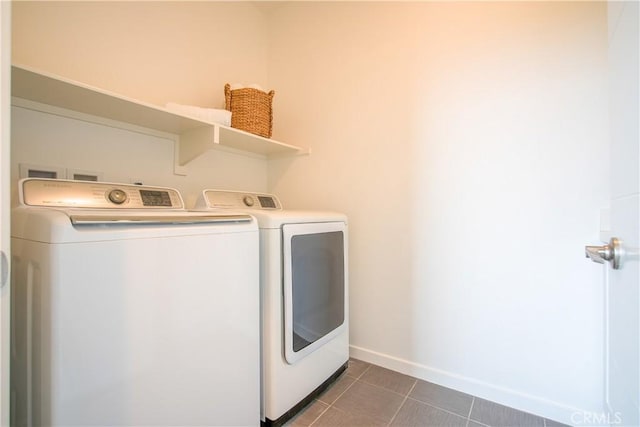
237	200
96	195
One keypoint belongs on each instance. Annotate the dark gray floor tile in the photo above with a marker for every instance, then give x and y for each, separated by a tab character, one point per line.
375	399
418	414
336	389
370	401
334	417
388	379
308	414
496	415
442	397
356	368
551	423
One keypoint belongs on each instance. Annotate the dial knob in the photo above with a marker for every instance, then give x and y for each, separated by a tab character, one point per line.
117	196
248	200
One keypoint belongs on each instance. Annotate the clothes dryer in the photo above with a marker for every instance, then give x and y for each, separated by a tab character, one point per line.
129	310
304	298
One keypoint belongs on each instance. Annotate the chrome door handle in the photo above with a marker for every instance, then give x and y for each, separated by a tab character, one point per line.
611	252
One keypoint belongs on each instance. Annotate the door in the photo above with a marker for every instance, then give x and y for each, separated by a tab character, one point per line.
623	326
5	121
315	286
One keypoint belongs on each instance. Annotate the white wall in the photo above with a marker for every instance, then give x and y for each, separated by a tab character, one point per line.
155	52
124	156
468	143
152	51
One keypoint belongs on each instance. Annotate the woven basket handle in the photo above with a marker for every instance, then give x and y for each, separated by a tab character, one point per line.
227	97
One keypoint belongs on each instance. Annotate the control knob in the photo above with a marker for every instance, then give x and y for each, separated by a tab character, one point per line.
248	200
117	196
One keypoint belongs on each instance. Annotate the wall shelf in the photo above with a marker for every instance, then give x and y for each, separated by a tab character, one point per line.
195	136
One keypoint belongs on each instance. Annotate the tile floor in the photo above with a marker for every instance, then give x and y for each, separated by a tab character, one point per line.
369	395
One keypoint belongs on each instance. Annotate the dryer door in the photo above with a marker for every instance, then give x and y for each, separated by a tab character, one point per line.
315	286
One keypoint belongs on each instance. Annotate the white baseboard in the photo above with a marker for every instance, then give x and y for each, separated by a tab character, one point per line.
533	404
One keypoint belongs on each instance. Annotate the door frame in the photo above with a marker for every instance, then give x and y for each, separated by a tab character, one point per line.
5	203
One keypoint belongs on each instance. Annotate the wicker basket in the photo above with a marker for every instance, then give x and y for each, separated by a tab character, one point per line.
250	110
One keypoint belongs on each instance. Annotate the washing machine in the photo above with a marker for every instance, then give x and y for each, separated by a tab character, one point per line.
304	293
129	310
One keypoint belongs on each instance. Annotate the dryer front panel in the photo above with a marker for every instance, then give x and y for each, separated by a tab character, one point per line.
315	286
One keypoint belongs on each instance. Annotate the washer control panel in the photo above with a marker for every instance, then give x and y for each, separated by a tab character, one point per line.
237	200
96	195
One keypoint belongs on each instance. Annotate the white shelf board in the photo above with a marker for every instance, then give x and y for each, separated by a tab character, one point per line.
60	92
246	141
196	136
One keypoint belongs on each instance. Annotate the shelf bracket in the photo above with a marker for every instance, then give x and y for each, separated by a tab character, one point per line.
196	142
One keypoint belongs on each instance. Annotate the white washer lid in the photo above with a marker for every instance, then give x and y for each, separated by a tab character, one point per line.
56	225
